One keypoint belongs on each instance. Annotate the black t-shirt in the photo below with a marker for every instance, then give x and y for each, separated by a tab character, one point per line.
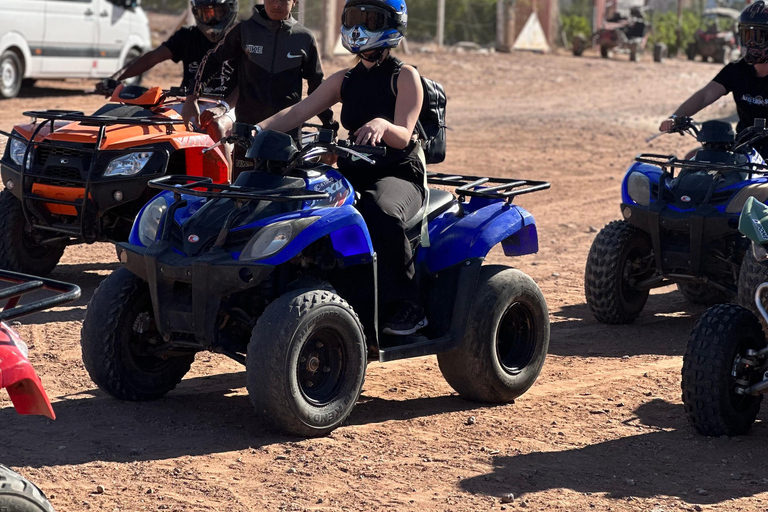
189	46
749	92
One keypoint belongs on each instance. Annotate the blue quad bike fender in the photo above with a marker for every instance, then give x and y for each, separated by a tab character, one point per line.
485	224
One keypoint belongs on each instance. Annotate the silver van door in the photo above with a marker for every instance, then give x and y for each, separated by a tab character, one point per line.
70	37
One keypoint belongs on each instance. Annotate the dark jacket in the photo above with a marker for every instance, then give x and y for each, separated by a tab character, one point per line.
271	58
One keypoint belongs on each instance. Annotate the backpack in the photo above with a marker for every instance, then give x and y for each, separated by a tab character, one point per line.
431	123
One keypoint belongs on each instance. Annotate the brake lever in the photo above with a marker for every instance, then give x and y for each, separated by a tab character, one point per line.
212	147
361	156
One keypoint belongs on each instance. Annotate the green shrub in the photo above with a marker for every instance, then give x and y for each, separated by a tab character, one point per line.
575	24
665	28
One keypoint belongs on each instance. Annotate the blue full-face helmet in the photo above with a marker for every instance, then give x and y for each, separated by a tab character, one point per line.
373	24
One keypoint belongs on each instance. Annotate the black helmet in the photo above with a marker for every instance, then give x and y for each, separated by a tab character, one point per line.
753	31
214	17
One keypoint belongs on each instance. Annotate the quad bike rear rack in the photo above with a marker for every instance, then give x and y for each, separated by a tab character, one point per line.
23	284
50	118
475	186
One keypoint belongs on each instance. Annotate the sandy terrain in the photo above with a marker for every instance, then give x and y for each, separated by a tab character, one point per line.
603	428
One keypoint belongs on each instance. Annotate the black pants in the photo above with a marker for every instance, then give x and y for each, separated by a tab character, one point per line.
386	205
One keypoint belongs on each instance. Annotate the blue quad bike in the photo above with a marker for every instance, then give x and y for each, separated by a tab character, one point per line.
278	272
725	367
680	225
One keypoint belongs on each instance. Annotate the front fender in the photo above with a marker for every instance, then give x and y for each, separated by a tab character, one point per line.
473	235
20	380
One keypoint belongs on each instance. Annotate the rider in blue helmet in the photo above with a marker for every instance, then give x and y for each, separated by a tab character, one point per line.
381	100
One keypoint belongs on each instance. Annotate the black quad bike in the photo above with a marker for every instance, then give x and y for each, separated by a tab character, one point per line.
725	367
278	272
680	224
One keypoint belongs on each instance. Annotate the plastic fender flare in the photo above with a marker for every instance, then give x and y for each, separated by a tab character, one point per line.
346	227
16	40
21	381
651	171
473	235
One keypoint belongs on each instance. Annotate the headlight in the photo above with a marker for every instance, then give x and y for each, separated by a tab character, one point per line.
271	239
150	220
17	151
639	188
759	252
128	165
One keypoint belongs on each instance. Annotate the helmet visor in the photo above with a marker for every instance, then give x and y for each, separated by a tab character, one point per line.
211	14
370	17
753	35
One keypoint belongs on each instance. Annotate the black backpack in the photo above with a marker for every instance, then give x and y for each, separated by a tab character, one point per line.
431	123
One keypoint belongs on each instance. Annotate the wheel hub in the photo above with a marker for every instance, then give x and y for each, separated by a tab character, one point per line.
8	74
516	338
321	367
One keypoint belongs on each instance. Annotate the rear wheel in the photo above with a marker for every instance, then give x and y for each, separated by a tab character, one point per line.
634	52
715	363
605	52
723	55
11	73
17	494
701	293
117	338
19	251
506	339
306	362
659	52
691	52
620	257
578	44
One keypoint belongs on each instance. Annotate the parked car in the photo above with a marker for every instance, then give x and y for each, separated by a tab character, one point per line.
56	39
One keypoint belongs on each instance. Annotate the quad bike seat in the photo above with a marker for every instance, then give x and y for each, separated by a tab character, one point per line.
439	201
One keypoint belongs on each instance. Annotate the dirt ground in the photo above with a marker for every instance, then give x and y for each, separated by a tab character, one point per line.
602	429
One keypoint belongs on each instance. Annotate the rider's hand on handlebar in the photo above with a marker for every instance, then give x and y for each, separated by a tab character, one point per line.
190	112
667	125
212	114
371	132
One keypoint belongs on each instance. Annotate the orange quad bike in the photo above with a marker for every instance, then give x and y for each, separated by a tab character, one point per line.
17	376
73	178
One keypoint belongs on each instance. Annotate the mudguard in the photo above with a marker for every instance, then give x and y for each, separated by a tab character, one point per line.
19	378
474	234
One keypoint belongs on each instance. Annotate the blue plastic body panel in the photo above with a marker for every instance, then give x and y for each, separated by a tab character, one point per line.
485	224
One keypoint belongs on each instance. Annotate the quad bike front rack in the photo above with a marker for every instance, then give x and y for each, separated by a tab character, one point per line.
475	186
50	118
668	163
22	284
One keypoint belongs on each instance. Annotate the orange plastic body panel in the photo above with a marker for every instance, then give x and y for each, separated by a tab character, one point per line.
60	193
151	97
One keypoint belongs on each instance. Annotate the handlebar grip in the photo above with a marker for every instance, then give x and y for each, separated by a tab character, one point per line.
367	150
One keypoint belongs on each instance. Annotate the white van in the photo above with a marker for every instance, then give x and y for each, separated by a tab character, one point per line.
67	39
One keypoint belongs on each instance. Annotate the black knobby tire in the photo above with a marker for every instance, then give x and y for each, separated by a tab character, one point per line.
578	44
751	275
306	362
506	339
605	52
724	332
610	297
691	52
702	293
18	250
117	331
11	74
17	494
634	52
659	52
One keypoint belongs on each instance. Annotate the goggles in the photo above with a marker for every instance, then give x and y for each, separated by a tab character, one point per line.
753	36
211	13
372	18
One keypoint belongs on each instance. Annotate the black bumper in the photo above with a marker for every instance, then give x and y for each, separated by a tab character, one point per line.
187	292
680	239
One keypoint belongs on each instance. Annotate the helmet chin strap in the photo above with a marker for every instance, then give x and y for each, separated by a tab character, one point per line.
374	56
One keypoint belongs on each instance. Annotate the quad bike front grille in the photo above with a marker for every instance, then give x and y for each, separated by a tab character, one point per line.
44	151
65	173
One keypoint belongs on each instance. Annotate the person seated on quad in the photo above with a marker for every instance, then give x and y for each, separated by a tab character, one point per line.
189	45
392	189
746	78
271	53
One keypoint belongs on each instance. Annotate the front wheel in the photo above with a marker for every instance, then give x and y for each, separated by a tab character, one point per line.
19	251
11	74
620	257
605	52
506	339
117	339
691	52
578	44
752	274
17	494
715	362
659	52
306	362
